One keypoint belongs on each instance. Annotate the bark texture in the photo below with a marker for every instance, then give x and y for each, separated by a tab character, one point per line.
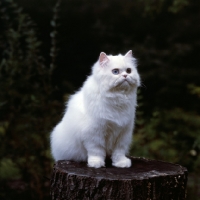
145	180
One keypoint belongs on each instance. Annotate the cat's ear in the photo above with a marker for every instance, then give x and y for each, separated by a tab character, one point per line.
103	59
129	54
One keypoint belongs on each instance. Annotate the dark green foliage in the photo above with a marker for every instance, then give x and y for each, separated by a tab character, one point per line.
53	35
27	110
152	7
171	135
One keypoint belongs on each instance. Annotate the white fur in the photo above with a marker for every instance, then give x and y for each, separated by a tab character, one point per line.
99	118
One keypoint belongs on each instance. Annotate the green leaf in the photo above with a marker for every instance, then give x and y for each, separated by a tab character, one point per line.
8	169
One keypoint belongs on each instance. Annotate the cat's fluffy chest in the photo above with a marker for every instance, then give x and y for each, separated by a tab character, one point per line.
115	107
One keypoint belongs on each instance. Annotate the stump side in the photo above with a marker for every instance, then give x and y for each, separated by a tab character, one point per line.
146	179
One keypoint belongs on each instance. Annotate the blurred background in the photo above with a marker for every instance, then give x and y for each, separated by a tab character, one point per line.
47	48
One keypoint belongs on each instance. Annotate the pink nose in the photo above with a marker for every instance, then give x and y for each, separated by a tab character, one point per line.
125	76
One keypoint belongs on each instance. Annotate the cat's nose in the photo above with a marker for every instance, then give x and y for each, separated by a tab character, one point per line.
125	76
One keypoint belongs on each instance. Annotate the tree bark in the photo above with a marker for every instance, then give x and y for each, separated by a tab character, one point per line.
144	180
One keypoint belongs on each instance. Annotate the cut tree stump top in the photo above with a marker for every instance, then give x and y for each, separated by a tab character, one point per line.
140	169
144	180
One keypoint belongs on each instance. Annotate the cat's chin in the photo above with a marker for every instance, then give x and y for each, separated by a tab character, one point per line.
125	84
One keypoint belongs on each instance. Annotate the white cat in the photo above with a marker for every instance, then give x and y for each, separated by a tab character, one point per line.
99	118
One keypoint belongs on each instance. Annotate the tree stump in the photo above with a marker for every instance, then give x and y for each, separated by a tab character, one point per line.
144	180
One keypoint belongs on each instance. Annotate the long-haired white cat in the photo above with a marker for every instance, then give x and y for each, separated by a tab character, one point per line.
99	118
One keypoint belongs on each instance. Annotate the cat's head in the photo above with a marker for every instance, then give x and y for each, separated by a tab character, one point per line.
116	73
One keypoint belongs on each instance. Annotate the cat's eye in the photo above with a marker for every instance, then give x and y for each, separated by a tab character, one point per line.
115	71
128	70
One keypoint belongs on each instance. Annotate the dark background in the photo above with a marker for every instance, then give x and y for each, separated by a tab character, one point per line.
47	50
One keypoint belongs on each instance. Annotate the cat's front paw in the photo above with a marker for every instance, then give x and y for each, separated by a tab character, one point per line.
123	162
96	162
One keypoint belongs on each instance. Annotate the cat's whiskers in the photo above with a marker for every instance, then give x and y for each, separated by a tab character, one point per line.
143	85
133	80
